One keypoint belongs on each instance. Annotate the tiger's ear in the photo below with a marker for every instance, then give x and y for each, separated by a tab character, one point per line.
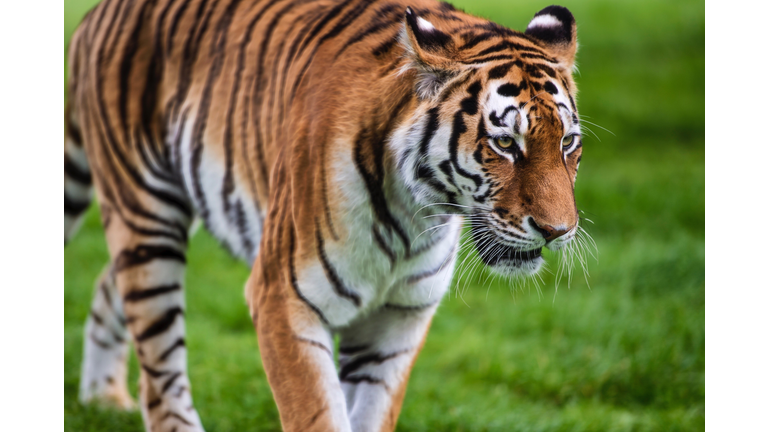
430	52
555	27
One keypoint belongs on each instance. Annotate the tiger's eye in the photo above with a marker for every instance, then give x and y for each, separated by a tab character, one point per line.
567	141
504	141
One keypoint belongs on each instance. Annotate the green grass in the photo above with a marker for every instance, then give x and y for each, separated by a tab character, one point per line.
625	353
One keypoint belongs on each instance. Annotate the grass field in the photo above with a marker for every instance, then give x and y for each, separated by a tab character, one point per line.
625	353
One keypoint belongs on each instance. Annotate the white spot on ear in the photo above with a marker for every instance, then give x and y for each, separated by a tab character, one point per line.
544	21
424	24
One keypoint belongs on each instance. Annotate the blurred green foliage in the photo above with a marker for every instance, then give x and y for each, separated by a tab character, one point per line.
625	353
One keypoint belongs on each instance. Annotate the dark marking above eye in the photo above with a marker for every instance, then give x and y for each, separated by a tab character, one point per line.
533	70
548	70
500	71
550	88
510	90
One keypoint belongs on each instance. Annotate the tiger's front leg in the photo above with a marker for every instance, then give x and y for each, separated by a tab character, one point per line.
297	352
375	358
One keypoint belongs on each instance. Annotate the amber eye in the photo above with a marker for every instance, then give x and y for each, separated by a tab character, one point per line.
504	141
568	141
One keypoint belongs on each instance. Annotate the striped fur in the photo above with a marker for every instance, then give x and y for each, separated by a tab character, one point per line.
337	146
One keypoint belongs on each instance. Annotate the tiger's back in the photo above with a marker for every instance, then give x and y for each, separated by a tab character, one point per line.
307	137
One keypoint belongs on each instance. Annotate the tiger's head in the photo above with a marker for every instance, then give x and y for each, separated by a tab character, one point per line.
497	136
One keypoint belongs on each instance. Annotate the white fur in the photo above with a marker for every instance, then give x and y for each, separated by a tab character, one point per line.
544	21
211	177
424	24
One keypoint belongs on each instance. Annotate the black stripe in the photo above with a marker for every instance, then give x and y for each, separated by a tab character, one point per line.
423	275
154	404
351	16
290	56
129	51
370	139
152	372
100	343
314	343
383	19
383	246
170	414
112	31
170	381
143	254
94	23
201	121
433	123
411	308
189	56
146	145
108	137
180	343
312	35
105	292
74	207
96	317
295	283
445	167
352	349
175	24
74	132
500	71
356	364
357	379
259	84
137	295
148	106
330	271
472	39
316	416
161	325
570	97
515	48
128	203
470	106
228	185
384	47
242	228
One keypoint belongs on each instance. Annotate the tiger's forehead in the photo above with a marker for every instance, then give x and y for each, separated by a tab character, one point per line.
523	99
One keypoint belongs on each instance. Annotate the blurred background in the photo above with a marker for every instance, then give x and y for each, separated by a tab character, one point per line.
623	352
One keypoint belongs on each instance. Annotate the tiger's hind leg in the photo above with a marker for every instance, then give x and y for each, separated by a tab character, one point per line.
77	180
104	371
147	241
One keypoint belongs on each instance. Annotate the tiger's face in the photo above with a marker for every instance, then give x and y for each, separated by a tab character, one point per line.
500	139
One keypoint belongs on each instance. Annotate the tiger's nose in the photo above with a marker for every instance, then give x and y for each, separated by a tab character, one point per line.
548	231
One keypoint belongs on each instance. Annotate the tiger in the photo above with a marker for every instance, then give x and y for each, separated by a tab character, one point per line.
337	147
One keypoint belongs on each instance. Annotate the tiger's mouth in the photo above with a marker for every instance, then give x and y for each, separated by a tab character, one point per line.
505	258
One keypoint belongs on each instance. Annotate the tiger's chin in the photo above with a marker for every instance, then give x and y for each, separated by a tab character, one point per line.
507	260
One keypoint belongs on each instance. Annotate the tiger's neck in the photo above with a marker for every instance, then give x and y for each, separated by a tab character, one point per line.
392	214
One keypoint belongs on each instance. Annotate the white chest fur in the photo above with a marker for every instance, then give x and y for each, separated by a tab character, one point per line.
408	265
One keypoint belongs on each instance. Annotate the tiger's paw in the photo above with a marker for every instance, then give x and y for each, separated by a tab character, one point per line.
107	395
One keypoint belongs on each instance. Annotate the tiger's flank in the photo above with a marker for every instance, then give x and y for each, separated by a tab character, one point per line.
337	147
